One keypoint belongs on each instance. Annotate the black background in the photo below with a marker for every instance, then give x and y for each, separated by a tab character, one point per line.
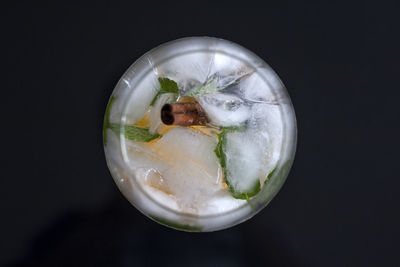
340	204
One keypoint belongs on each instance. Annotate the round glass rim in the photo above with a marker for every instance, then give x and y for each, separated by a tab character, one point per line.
267	69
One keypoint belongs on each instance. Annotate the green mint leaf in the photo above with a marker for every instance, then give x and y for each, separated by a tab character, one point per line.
167	86
139	134
184	227
270	175
231	129
134	133
246	195
107	119
211	85
207	88
131	132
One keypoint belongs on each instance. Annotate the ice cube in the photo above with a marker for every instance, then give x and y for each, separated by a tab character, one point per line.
188	70
244	160
253	88
227	65
224	109
267	120
139	155
227	69
182	146
140	99
195	175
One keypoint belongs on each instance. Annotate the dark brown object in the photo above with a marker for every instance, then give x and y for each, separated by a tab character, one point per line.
183	114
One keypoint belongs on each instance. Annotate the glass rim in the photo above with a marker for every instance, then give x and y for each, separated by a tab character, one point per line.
259	199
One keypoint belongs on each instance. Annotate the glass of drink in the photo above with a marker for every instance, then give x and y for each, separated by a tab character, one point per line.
199	134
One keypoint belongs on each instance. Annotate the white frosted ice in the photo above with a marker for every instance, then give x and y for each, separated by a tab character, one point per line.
228	66
140	99
245	159
183	147
113	152
267	120
222	201
141	156
225	110
187	70
254	88
181	170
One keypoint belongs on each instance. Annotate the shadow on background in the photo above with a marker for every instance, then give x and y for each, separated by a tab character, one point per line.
121	236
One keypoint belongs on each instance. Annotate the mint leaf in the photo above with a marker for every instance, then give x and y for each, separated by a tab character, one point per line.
131	132
270	175
231	129
134	133
246	195
219	149
207	88
167	86
107	119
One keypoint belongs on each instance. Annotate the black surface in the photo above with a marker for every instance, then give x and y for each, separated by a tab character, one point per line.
339	206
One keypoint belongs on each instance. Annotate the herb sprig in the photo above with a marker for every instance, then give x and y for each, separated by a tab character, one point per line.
167	86
131	132
134	133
